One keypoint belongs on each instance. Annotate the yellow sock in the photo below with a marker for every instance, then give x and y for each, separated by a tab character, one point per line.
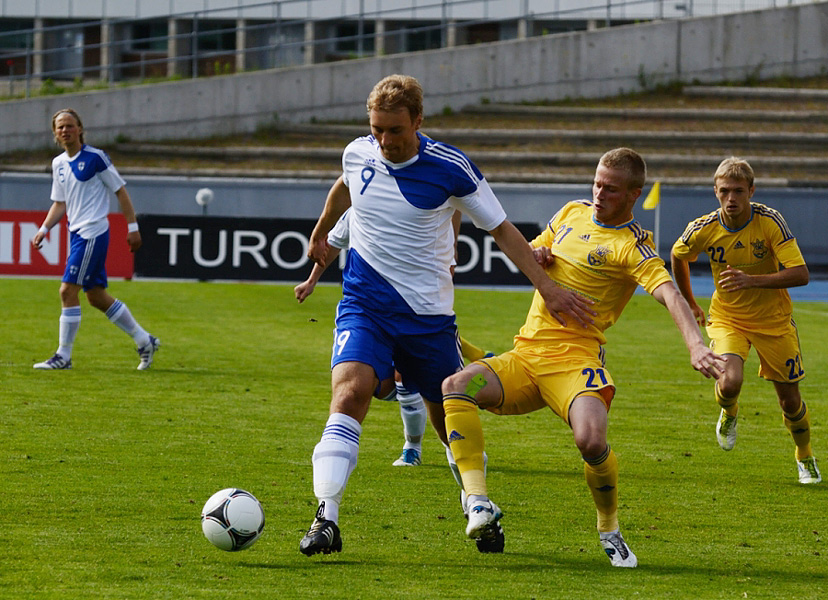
800	427
469	351
602	478
465	434
730	405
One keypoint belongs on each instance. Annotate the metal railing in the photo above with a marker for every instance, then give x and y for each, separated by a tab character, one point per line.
81	54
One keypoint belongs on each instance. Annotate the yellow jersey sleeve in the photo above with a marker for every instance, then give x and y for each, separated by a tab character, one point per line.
691	243
780	238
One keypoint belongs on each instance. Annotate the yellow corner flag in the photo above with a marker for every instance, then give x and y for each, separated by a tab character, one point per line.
653	198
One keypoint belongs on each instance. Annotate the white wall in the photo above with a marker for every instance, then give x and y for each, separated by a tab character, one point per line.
598	63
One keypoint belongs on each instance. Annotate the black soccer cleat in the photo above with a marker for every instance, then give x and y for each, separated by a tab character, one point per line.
492	539
323	536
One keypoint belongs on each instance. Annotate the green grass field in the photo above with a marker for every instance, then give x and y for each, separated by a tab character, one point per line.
105	468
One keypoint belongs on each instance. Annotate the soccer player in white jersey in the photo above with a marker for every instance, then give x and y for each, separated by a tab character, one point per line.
83	179
597	248
397	308
412	405
746	242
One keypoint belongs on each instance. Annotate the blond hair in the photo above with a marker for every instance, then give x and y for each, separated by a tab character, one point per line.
734	168
629	161
73	113
395	92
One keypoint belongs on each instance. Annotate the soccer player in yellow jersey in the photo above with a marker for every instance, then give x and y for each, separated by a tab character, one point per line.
746	242
596	248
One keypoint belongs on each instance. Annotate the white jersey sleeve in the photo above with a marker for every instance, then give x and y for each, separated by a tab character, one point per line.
340	235
483	207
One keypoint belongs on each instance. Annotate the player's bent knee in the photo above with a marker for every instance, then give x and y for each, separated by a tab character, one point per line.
453	384
590	444
730	389
459	382
69	295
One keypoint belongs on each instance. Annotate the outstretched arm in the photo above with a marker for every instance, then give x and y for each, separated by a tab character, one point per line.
337	202
703	359
305	289
681	273
558	301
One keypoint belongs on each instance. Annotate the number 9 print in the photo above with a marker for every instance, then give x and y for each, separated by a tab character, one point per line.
367	175
341	340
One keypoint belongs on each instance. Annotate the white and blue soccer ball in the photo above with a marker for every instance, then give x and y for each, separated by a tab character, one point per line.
232	519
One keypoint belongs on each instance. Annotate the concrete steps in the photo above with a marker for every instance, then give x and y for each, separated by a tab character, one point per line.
782	132
763	93
507	166
650	114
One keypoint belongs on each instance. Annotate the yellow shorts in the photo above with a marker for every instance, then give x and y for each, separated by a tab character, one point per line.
780	358
531	381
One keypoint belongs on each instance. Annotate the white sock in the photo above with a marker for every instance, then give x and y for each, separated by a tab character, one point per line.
414	418
70	318
456	472
453	466
334	459
120	316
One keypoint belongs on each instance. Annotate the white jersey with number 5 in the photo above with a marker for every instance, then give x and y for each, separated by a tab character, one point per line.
84	183
400	224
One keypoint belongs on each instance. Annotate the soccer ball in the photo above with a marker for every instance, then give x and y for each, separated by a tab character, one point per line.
232	519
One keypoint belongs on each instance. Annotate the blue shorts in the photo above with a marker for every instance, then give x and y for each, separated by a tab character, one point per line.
86	265
424	349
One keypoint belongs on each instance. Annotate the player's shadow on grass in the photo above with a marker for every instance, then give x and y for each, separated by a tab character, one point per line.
505	469
540	471
313	563
589	562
